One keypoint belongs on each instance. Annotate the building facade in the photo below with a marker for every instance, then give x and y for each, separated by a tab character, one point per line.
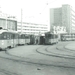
63	16
31	28
8	22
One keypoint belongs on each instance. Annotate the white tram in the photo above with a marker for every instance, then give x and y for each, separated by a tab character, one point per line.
8	39
51	38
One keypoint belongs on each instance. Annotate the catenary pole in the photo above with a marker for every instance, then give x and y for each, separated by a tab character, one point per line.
21	20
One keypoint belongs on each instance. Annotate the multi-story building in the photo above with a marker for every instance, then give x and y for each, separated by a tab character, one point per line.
31	28
8	22
63	16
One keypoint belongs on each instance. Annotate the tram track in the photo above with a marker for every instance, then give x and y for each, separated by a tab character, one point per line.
62	55
20	59
41	64
60	48
47	64
5	72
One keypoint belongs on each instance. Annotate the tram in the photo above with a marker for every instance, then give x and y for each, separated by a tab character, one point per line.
32	39
27	39
51	38
8	39
21	39
42	40
67	37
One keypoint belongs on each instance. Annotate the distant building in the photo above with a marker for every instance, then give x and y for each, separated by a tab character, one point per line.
59	29
8	22
32	28
63	16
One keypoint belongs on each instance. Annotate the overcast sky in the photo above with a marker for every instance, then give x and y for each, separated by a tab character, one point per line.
33	10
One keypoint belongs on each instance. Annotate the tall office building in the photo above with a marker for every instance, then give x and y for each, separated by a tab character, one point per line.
63	17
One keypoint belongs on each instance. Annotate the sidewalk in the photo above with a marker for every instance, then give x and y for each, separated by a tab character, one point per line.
70	46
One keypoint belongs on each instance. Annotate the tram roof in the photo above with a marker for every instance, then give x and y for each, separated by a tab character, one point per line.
22	33
51	33
2	31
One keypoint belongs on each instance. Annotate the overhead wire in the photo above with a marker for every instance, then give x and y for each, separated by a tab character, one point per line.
47	5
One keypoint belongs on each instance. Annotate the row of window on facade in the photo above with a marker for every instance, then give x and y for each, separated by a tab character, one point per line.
31	29
12	25
32	24
30	32
8	24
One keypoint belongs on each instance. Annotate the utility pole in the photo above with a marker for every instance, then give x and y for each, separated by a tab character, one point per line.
21	21
6	22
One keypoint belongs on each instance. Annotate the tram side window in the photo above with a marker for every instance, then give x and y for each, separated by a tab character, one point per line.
47	35
4	36
16	36
26	37
50	36
11	36
8	36
21	36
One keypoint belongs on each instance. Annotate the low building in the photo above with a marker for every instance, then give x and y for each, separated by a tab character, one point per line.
32	28
8	22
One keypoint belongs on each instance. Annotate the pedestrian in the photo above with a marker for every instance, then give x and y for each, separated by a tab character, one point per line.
36	41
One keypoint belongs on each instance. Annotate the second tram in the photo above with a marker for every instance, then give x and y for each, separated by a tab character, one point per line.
67	37
51	38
